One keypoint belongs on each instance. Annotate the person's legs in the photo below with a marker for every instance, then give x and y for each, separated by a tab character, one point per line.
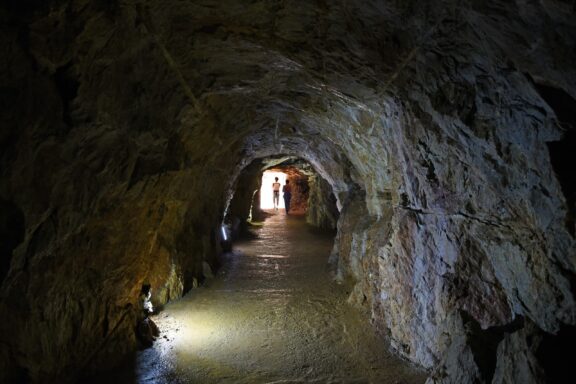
276	199
287	197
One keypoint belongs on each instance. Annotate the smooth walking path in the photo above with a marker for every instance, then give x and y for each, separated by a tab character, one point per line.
272	315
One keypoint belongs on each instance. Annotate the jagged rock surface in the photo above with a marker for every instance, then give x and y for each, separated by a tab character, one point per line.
322	211
124	126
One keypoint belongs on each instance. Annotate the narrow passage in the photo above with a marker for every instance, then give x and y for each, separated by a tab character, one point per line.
272	315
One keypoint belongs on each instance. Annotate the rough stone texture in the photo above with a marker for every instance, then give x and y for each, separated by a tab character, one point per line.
300	193
516	359
322	211
246	198
457	363
126	124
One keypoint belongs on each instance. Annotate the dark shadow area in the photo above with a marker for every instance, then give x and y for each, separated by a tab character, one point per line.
562	151
26	7
556	354
11	234
19	375
125	373
67	86
484	342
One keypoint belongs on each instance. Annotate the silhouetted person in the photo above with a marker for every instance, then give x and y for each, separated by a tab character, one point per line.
147	330
287	189
276	191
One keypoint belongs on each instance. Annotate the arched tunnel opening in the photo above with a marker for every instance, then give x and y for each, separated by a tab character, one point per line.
274	309
433	142
272	181
253	196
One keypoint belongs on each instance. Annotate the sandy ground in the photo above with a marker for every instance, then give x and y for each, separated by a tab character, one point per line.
272	315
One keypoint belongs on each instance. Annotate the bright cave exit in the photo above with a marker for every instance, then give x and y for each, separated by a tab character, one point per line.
266	191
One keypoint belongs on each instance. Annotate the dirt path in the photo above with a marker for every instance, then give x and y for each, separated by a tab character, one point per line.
272	315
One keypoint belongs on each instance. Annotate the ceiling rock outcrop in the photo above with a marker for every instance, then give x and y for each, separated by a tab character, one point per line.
126	124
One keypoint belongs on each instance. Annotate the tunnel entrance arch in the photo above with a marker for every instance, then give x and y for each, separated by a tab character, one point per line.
270	198
313	196
299	176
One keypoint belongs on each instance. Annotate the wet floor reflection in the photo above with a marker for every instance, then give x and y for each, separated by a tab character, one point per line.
271	315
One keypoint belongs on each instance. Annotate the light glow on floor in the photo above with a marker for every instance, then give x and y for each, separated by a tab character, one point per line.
266	194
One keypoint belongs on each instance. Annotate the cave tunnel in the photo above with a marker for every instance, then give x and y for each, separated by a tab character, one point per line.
431	141
253	196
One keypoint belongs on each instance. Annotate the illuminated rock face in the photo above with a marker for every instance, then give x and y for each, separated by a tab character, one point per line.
125	127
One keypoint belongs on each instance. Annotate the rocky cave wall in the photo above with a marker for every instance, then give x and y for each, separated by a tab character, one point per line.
124	125
245	201
300	192
112	194
476	243
322	211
